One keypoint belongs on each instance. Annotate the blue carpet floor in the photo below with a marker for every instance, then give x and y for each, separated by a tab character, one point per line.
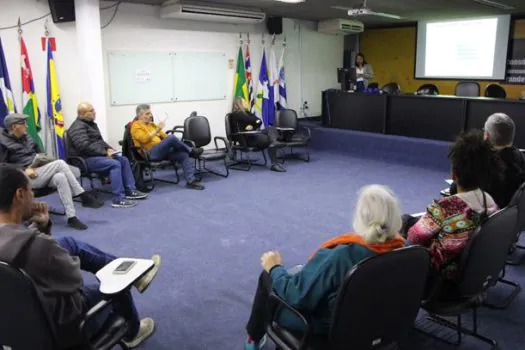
211	242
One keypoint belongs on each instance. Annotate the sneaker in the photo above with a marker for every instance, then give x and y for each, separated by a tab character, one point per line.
90	201
195	185
123	203
250	345
278	168
195	152
136	195
75	223
143	283
147	327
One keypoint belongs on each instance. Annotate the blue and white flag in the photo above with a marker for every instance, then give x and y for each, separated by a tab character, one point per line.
262	101
281	103
7	101
273	76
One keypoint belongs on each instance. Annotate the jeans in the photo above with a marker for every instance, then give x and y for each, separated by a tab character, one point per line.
92	260
174	150
119	172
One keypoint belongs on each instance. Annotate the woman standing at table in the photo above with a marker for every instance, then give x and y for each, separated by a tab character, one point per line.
363	71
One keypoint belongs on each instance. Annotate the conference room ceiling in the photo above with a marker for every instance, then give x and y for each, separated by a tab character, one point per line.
410	10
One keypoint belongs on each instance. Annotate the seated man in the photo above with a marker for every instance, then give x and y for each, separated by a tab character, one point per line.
146	134
447	224
100	157
313	288
55	264
19	149
499	130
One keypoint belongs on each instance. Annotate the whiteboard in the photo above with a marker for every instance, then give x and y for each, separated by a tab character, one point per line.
199	76
140	77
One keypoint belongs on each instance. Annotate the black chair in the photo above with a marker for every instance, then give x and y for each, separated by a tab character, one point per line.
373	86
495	91
293	134
427	89
239	147
391	89
518	200
141	163
481	267
197	133
467	89
363	317
81	164
25	324
46	191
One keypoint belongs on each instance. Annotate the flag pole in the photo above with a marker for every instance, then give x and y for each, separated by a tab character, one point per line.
20	32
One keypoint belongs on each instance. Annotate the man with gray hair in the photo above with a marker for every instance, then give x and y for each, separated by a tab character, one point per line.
150	136
499	131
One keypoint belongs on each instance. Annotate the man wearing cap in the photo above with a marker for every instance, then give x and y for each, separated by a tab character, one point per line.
19	149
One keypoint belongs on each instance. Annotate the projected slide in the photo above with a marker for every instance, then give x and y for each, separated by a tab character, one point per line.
471	48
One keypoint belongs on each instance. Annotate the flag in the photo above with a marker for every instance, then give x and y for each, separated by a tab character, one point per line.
29	101
248	66
241	89
54	104
262	101
273	77
7	101
281	102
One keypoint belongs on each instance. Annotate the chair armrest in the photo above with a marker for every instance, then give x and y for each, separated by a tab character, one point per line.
280	302
79	162
284	129
190	143
90	315
176	129
111	283
224	140
246	133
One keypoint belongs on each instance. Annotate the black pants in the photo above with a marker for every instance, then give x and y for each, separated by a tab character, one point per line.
261	309
269	139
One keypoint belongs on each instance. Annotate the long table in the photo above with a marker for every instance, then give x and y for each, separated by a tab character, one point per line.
431	117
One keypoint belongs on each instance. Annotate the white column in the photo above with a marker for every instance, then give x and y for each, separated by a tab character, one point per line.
90	55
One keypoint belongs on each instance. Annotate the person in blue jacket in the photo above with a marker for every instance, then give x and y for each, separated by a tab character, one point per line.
313	288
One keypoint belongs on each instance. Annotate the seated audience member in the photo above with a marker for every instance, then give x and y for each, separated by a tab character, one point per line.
146	134
100	157
499	131
19	149
242	120
55	264
448	222
313	289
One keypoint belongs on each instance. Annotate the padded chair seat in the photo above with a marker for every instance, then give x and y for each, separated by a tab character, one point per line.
114	328
452	308
162	164
213	154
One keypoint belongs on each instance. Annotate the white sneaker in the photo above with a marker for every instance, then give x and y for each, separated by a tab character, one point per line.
143	283
147	327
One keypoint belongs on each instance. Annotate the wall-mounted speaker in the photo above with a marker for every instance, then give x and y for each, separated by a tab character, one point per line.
274	25
62	10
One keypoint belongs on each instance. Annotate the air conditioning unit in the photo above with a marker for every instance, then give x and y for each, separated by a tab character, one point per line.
340	26
198	12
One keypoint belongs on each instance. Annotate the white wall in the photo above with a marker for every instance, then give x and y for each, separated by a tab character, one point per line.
311	58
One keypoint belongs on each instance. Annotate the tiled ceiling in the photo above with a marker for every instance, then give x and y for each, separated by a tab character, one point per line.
410	10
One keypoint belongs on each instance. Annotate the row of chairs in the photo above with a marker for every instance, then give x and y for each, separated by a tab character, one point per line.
464	89
382	321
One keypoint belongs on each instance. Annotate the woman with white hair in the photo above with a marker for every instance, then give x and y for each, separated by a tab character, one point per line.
313	288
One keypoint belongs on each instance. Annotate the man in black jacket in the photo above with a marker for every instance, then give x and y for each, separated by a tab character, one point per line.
55	264
499	131
19	149
100	157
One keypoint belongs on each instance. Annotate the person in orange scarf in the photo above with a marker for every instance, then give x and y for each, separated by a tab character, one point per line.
313	288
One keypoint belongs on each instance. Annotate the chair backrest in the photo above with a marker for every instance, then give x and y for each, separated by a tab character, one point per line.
379	299
391	89
486	253
128	146
197	129
428	89
68	145
286	118
228	127
467	89
495	91
23	322
373	86
519	200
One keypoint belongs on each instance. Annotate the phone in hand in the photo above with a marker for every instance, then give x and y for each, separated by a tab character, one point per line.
124	267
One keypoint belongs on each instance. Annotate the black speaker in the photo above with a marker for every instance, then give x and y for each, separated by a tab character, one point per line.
274	25
62	10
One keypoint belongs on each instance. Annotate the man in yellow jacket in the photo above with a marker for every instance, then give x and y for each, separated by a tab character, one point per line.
146	134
